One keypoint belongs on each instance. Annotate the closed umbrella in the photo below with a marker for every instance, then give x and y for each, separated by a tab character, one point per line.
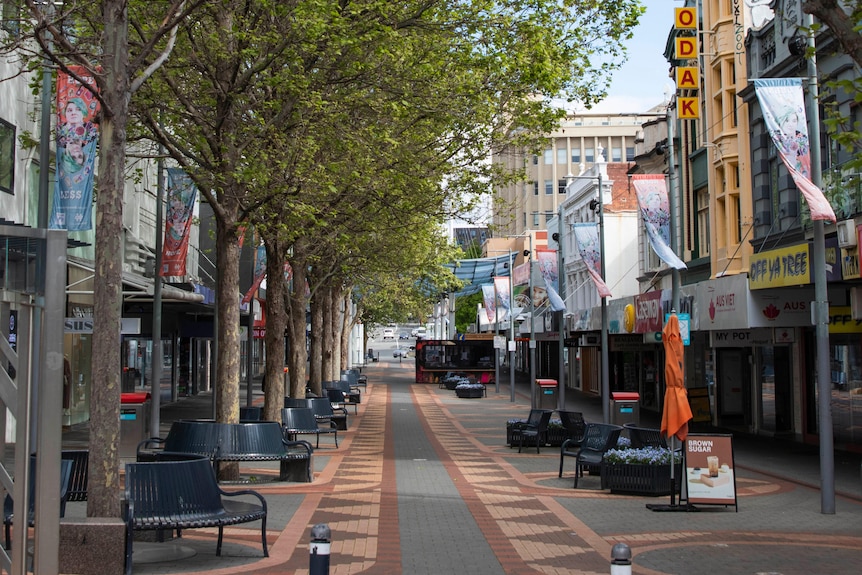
677	412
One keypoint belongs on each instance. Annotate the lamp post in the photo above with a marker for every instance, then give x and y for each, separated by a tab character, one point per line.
532	327
511	342
561	381
597	205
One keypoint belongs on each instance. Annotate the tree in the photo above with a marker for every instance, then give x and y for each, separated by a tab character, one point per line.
96	36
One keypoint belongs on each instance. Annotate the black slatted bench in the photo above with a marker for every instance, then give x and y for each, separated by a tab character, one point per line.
236	442
184	494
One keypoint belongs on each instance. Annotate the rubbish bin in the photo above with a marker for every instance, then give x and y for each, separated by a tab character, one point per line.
625	407
546	389
134	421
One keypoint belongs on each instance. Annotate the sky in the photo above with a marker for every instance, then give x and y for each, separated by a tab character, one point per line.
640	84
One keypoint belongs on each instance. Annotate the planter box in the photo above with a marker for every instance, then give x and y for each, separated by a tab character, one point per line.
556	436
639	479
470	393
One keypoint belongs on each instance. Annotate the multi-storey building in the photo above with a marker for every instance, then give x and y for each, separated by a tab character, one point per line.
571	148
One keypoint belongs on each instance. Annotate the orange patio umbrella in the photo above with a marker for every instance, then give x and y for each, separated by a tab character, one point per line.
677	412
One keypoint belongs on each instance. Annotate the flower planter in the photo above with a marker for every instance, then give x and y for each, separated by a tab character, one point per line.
470	392
513	437
556	436
641	479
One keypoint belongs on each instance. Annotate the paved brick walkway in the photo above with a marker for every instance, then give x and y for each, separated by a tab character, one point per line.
423	483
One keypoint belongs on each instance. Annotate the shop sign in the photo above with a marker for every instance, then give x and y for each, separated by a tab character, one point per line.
648	312
781	308
626	343
723	303
740	337
841	320
781	267
850	263
259	332
833	261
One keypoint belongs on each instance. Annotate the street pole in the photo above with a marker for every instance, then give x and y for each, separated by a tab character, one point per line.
532	329
561	382
821	298
156	384
511	342
606	387
672	207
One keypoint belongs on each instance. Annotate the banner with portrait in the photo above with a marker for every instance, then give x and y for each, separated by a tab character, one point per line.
77	138
587	240
501	284
550	273
259	273
489	295
651	192
783	108
182	195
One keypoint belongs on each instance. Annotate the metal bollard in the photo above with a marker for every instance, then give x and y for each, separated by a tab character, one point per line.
621	559
318	560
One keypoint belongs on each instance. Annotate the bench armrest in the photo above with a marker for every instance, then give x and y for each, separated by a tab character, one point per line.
151	443
251	492
299	443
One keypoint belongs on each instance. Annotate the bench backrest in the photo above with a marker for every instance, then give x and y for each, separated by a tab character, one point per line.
298	419
600	437
78	478
65	475
321	407
189	436
645	436
574	424
252	439
250	413
295	402
171	488
341	385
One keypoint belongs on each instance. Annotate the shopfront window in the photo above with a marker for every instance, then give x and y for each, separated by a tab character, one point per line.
776	390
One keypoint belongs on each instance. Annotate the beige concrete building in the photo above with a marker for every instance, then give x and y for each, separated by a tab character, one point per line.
571	148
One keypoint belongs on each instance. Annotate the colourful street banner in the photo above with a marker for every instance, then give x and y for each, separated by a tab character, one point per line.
490	295
548	268
501	283
182	195
587	239
652	197
77	136
259	273
783	107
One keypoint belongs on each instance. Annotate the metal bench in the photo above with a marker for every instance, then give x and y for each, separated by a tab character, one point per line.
78	478
228	442
297	421
326	415
9	506
644	436
184	494
598	439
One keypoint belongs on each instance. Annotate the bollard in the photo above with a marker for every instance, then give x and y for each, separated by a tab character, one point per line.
318	559
621	560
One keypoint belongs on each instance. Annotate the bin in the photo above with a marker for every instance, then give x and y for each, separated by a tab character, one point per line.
134	421
625	407
546	389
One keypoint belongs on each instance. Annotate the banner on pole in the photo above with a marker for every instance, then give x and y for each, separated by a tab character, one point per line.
651	192
550	273
182	195
783	107
587	239
77	139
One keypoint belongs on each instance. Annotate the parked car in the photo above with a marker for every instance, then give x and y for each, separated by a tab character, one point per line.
399	353
388	333
403	335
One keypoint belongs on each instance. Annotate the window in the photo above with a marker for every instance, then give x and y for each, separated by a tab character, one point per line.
576	155
561	186
10	18
548	217
535	188
7	157
562	156
549	187
549	157
616	154
703	222
535	219
535	160
589	154
630	153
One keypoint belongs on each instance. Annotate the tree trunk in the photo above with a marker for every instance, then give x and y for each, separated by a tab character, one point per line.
326	348
316	372
346	327
296	306
276	319
226	381
104	463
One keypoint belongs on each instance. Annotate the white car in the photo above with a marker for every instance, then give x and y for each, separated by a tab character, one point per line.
388	333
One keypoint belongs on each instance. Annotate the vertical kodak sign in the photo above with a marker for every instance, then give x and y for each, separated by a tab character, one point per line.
687	77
